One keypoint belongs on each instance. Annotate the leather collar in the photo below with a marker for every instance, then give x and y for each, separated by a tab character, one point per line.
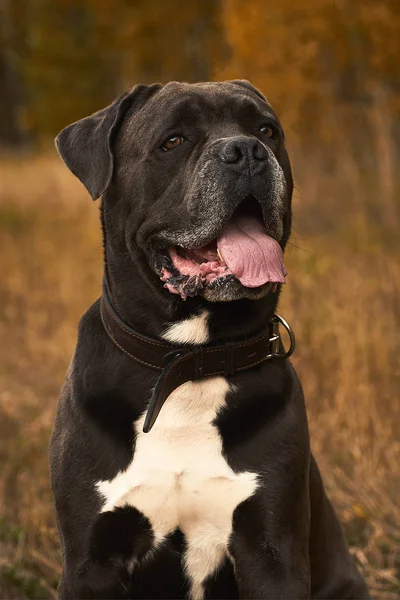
178	364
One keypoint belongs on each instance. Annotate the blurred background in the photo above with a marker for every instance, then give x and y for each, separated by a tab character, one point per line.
331	70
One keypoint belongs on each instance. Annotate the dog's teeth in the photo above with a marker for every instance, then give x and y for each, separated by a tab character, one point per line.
219	255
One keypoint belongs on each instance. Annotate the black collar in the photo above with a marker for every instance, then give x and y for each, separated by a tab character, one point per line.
178	364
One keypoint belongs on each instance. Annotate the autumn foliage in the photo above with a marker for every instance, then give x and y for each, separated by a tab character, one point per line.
323	63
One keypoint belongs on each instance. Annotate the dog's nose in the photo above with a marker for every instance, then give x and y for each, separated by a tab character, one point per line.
237	150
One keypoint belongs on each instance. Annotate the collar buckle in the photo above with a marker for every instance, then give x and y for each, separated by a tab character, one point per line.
275	338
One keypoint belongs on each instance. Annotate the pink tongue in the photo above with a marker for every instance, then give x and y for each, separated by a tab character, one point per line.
253	256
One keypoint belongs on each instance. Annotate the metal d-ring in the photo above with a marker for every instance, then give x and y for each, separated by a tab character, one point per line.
278	319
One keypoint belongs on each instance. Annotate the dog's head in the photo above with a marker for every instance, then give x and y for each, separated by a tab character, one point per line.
197	184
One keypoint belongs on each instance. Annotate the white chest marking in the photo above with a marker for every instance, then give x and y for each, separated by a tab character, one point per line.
189	331
179	478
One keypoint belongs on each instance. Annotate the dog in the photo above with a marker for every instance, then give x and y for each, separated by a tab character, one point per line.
180	455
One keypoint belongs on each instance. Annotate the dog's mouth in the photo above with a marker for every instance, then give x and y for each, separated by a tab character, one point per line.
242	250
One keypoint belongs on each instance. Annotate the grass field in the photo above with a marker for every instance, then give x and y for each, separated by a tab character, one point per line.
342	299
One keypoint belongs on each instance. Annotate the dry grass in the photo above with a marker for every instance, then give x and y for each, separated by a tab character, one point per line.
342	298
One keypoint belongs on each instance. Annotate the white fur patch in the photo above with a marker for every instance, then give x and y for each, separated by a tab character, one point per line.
180	478
189	331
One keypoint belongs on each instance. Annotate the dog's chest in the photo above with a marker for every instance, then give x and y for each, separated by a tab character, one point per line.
179	478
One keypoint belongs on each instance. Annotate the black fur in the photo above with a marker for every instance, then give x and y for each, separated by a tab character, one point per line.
286	541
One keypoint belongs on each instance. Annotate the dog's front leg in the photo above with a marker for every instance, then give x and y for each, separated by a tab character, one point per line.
98	582
118	540
270	547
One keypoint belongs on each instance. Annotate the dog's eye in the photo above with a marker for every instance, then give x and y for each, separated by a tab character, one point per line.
172	143
268	130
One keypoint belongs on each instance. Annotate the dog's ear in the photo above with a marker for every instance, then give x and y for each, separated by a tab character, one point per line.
86	146
246	84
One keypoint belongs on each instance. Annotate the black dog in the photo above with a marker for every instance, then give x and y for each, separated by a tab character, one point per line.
180	456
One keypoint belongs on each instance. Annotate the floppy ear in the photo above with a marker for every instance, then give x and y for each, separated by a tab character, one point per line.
86	145
246	84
